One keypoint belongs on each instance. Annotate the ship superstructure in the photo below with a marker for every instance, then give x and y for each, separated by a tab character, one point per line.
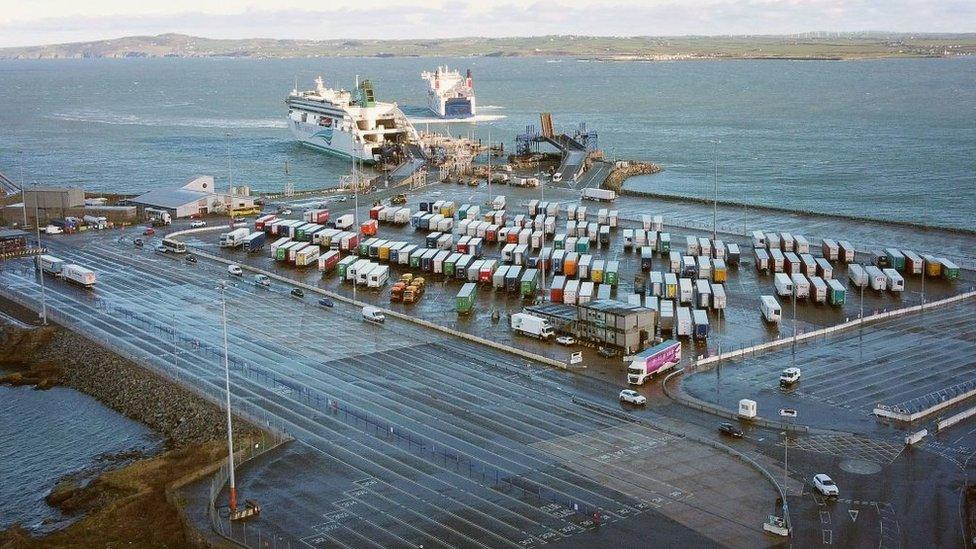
349	124
449	95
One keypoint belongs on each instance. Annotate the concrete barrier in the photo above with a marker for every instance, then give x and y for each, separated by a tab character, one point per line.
897	415
830	329
914	438
387	312
954	419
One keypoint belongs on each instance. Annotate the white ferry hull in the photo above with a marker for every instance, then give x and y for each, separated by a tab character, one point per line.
329	140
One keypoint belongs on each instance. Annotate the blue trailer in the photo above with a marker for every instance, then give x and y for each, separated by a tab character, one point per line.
254	241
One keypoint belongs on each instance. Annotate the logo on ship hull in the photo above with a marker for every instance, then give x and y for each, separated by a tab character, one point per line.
326	132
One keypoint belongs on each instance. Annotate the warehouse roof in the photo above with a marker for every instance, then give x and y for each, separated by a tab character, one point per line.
12	233
169	198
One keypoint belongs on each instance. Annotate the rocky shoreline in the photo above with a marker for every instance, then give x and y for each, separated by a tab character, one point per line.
52	355
625	170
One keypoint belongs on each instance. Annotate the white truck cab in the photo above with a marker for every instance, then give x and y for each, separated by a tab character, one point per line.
789	377
373	314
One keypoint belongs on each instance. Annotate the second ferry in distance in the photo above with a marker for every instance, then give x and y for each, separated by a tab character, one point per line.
448	94
350	126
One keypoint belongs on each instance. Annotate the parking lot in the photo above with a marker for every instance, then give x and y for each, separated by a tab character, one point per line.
739	325
903	361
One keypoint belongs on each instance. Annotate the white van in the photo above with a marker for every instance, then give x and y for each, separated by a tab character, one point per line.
789	377
770	309
373	314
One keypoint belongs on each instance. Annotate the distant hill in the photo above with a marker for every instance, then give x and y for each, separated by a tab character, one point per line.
808	46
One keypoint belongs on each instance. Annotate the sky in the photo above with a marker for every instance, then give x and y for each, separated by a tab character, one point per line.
34	22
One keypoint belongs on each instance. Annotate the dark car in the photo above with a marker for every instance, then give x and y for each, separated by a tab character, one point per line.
297	292
607	352
149	231
730	430
325	302
138	242
191	259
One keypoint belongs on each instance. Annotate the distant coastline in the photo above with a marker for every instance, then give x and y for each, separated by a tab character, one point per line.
833	47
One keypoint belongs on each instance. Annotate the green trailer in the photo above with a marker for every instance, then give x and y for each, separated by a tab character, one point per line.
559	243
611	274
450	263
583	245
950	271
415	257
664	243
836	293
529	282
896	258
464	301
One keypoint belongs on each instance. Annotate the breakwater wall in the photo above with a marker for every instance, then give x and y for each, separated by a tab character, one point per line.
626	170
759	208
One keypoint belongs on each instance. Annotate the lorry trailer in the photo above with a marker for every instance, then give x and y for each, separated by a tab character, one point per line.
532	326
657	359
78	275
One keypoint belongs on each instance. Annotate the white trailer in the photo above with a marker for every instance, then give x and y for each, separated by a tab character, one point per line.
830	249
343	222
786	242
770	309
824	269
599	195
378	276
719	300
704	267
685	290
656	284
571	292
857	274
776	260
234	238
78	275
758	239
705	247
801	286
762	260
585	292
783	284
801	244
703	293
683	326
658	224
691	245
876	278
894	280
51	264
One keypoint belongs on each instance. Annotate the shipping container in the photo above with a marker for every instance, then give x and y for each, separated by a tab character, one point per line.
656	284
691	246
309	255
776	260
262	222
787	242
439	260
801	244
558	259
896	258
635	299
604	236
801	286
328	261
464	301
571	292
704	266
647	258
770	309
611	274
818	289
683	325
718	250
427	260
846	251
824	269
773	242
378	276
808	266
445	242
876	278
685	290
596	273
857	275
254	241
613	219
343	266
640	238
783	284
762	260
664	243
583	245
461	267
791	263
913	263
689	267
933	266
704	247
670	286
700	322
651	241
719	299
830	250
950	271
658	223
585	293
353	269
758	239
521	254
498	277
556	289
585	267
720	273
603	291
895	281
403	256
512	278
474	270
646	222
838	293
666	316
570	264
703	293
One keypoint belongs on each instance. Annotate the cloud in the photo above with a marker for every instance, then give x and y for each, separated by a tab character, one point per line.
27	25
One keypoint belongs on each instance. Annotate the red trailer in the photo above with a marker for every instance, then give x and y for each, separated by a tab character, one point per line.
556	290
491	235
328	261
261	222
321	217
349	242
374	212
512	237
369	227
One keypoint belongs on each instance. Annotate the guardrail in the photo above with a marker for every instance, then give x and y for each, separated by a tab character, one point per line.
387	312
956	418
903	412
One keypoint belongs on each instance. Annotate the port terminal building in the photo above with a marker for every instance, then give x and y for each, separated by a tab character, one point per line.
197	196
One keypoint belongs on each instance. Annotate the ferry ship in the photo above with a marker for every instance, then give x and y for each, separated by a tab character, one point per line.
349	125
448	94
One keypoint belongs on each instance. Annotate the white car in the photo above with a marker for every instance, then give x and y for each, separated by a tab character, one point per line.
285	212
825	486
235	270
566	340
53	229
633	397
197	224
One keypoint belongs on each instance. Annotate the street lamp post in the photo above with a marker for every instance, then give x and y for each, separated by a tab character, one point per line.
715	142
37	261
230	432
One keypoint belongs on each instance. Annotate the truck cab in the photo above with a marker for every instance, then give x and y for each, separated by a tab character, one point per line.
531	325
372	314
789	376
